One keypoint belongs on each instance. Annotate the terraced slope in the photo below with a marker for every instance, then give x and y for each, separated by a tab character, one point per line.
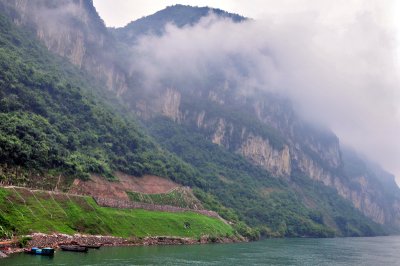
24	211
179	197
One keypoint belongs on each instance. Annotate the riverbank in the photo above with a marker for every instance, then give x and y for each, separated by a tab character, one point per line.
55	240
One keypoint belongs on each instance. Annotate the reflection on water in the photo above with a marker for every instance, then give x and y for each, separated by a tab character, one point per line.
336	251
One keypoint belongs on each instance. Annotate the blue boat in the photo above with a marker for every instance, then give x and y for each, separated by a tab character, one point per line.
40	251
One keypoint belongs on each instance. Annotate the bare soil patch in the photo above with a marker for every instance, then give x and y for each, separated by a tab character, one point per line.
98	186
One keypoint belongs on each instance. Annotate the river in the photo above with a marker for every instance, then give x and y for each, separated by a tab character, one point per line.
333	251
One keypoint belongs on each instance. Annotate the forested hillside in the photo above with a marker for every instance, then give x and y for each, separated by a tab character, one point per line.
53	120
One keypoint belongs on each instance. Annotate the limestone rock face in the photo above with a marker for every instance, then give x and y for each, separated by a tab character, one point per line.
361	192
363	199
312	169
260	152
200	119
314	153
170	104
73	29
219	133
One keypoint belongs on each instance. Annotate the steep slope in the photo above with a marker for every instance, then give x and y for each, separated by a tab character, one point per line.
268	134
266	131
74	30
295	207
50	120
373	185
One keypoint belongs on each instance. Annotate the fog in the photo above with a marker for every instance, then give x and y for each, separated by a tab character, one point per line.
340	71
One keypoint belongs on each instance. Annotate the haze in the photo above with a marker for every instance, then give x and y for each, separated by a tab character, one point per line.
337	61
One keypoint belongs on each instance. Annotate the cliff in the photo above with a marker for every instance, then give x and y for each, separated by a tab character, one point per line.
266	130
74	30
274	138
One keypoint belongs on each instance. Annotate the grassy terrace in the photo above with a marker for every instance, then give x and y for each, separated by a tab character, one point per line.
177	197
24	212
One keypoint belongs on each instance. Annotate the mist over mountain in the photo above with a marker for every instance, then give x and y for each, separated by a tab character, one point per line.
242	111
299	57
342	79
178	15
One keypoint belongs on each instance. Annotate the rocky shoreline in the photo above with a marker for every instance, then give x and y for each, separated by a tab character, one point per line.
55	240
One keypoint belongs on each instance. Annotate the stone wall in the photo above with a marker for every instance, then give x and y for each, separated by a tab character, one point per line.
125	204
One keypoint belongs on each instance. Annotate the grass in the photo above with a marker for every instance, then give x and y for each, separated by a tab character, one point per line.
25	212
179	197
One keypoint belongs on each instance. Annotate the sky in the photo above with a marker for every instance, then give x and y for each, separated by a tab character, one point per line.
118	13
338	61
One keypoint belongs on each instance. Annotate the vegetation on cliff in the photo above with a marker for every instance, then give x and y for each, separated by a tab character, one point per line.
50	120
273	205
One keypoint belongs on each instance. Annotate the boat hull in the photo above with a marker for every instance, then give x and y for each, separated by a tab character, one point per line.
91	246
74	248
39	251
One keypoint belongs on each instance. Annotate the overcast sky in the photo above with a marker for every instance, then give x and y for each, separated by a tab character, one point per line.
117	13
337	60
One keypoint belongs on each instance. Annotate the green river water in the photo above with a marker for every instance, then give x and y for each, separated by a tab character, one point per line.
334	251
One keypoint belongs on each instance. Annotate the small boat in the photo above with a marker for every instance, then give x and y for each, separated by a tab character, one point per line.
91	246
75	248
40	251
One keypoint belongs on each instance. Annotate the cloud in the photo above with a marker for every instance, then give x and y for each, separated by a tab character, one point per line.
341	73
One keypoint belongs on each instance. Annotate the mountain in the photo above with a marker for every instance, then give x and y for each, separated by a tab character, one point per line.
249	157
53	119
267	132
55	128
178	15
85	42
